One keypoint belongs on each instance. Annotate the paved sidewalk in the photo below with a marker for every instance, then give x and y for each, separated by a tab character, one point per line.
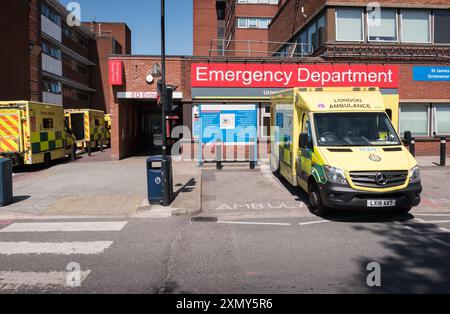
98	188
431	161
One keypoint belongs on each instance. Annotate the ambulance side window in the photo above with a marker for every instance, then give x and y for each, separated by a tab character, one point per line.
306	126
97	122
47	123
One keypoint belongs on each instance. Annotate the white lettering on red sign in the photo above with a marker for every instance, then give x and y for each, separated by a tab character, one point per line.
294	75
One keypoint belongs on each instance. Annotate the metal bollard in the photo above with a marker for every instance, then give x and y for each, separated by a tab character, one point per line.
443	151
252	155
218	155
89	150
101	145
412	146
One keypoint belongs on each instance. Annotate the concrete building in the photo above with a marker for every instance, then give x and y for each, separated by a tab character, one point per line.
50	61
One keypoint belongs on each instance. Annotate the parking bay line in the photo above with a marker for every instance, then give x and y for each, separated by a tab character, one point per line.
16	280
65	227
254	223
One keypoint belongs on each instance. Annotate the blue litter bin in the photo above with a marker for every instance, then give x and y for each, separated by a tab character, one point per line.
154	181
6	183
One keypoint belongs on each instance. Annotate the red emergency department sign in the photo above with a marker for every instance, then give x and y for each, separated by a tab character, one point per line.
240	75
115	72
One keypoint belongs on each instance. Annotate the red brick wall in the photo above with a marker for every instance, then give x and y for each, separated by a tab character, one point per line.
124	113
205	26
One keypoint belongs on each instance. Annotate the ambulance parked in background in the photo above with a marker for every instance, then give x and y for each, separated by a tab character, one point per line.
34	133
340	145
88	126
107	134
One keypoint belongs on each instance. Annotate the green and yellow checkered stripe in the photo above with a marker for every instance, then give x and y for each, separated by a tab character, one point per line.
47	141
285	154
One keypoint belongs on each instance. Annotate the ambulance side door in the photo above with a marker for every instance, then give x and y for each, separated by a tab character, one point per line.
305	154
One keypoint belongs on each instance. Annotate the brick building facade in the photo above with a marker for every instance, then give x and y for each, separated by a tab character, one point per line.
50	61
299	33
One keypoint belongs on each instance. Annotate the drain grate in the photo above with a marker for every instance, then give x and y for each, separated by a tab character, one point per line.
204	219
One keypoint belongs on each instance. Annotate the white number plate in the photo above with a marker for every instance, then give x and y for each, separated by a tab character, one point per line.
381	203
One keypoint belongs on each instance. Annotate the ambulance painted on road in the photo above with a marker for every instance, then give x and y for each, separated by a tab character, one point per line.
340	145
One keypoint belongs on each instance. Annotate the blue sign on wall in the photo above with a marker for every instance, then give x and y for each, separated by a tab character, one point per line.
431	73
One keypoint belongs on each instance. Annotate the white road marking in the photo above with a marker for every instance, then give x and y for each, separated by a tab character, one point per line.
312	222
65	248
65	226
254	223
433	221
433	215
20	280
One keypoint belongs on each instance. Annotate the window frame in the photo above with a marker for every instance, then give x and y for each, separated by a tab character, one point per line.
362	25
430	27
429	117
434	28
397	37
435	124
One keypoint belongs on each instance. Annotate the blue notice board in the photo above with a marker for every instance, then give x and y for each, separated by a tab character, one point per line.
431	73
230	124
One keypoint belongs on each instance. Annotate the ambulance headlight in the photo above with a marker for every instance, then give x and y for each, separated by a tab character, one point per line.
414	175
335	175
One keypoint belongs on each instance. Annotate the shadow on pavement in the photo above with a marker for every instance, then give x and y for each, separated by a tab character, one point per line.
417	260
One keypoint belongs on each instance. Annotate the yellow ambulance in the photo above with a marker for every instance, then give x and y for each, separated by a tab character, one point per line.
88	126
34	133
340	145
107	134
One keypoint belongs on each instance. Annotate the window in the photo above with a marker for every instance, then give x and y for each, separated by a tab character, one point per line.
349	25
51	86
382	26
51	50
67	32
50	14
252	23
312	36
321	30
414	118
97	122
47	123
442	119
441	26
264	23
69	92
242	22
415	26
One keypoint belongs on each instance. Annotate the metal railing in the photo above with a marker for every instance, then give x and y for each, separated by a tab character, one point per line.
259	48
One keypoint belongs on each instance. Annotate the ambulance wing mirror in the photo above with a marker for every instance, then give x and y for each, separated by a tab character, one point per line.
407	138
304	141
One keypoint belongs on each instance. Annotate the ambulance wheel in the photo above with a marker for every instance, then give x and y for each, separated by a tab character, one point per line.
73	153
47	160
315	201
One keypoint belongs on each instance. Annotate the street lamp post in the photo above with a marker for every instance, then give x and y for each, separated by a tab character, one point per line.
165	167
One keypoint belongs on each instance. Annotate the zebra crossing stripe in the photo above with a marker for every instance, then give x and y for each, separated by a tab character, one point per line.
19	280
64	248
65	227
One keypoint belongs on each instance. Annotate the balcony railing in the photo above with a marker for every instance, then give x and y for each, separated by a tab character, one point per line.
258	48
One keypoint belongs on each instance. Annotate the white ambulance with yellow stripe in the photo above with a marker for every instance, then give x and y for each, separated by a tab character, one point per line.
34	133
88	126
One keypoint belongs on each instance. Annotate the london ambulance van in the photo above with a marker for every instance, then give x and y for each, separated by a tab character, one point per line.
340	145
34	133
88	126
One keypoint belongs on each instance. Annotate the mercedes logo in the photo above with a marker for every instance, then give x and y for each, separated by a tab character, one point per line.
381	179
